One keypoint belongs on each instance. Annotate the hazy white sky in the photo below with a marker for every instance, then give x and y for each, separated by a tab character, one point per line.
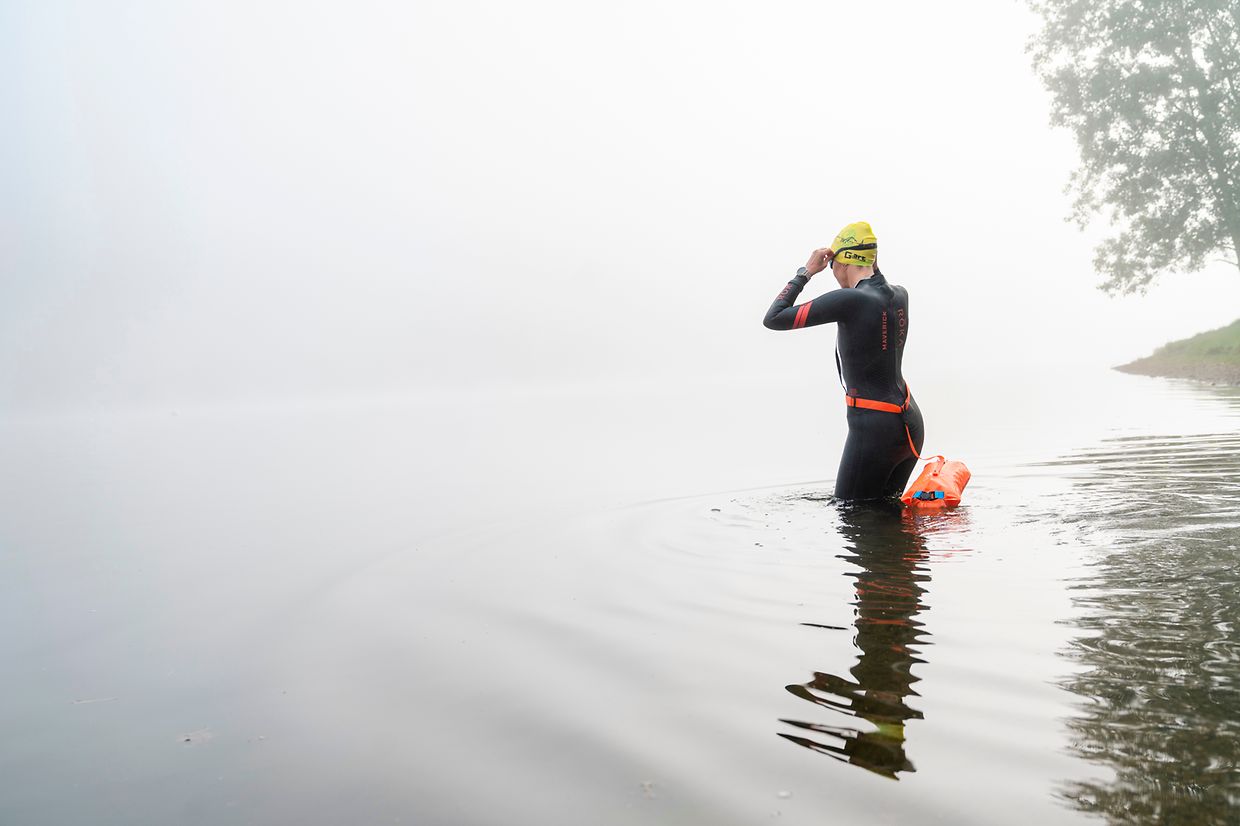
223	200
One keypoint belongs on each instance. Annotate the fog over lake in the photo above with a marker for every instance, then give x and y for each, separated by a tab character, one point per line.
226	201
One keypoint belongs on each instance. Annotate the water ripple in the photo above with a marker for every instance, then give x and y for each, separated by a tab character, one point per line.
1157	610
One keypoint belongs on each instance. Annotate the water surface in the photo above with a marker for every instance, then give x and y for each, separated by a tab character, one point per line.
331	613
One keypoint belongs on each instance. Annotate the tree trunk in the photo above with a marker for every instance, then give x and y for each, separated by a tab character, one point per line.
1218	171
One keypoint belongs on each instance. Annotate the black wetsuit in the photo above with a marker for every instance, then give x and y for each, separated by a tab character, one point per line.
873	325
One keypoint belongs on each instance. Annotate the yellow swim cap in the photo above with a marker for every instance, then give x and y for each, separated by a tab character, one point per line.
855	235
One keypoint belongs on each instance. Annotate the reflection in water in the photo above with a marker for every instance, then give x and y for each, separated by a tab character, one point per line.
1159	612
888	544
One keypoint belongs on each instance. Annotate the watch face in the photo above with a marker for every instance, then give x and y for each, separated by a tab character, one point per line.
802	271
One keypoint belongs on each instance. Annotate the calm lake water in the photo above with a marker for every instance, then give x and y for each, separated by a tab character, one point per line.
621	605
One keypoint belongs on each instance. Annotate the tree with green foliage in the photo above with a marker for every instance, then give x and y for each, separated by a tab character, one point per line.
1151	89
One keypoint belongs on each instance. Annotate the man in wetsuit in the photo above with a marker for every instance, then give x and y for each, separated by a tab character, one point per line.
885	429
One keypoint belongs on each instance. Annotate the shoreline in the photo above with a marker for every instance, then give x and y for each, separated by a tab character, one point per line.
1215	372
1213	357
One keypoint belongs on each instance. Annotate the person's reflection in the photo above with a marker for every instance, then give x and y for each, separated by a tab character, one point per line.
887	543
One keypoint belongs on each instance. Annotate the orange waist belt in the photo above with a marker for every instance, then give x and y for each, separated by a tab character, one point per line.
887	407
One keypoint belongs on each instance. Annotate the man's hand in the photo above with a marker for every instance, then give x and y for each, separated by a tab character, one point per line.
819	260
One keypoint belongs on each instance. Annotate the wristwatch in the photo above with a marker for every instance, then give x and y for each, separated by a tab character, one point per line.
804	273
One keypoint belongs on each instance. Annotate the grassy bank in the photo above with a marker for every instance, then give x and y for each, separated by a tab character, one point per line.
1212	356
